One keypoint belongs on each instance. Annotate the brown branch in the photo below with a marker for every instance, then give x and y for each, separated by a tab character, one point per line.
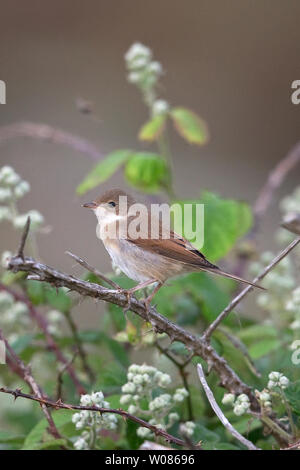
60	405
207	334
80	349
25	373
24	238
45	273
95	271
275	179
219	412
43	325
47	133
198	346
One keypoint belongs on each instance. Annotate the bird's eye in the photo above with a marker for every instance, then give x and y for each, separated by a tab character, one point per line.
112	204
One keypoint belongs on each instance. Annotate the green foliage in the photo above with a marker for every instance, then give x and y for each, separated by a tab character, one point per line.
153	128
225	221
104	170
190	126
146	171
292	394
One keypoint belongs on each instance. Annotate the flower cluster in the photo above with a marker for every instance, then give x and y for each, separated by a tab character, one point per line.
13	314
91	422
187	429
143	386
240	404
12	188
277	379
145	73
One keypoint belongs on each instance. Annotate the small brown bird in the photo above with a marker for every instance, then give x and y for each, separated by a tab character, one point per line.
143	258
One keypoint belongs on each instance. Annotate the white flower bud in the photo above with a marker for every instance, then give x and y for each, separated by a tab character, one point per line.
132	409
275	376
129	388
138	379
143	432
80	444
239	410
125	399
160	107
164	380
137	50
228	399
85	400
283	382
21	189
97	397
5	213
5	194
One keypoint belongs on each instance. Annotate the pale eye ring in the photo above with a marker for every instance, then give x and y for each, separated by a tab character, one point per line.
112	204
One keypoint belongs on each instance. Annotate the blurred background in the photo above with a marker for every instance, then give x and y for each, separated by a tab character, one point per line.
232	62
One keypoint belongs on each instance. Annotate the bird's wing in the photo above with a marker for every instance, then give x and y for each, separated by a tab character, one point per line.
177	248
173	246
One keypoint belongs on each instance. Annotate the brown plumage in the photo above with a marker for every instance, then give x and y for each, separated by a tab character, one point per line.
145	259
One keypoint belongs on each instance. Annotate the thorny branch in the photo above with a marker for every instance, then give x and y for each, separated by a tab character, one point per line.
60	405
197	346
25	373
207	334
43	325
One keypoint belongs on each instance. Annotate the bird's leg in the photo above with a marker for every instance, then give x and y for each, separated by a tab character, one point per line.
129	292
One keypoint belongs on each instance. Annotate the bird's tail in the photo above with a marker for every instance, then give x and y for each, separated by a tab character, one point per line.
232	276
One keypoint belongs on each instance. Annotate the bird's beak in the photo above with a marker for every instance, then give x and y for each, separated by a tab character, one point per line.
90	205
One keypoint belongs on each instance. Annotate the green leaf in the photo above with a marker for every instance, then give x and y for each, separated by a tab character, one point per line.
292	394
263	347
225	221
153	128
190	126
103	170
39	433
58	299
146	171
36	292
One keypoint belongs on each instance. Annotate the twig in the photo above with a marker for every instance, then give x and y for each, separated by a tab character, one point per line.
24	238
219	412
228	378
47	274
59	404
25	373
61	373
275	179
80	349
43	325
95	271
47	133
181	369
207	334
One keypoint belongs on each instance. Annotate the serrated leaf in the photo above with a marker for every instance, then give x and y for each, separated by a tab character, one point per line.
190	126
39	433
225	221
103	170
153	128
292	393
146	171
